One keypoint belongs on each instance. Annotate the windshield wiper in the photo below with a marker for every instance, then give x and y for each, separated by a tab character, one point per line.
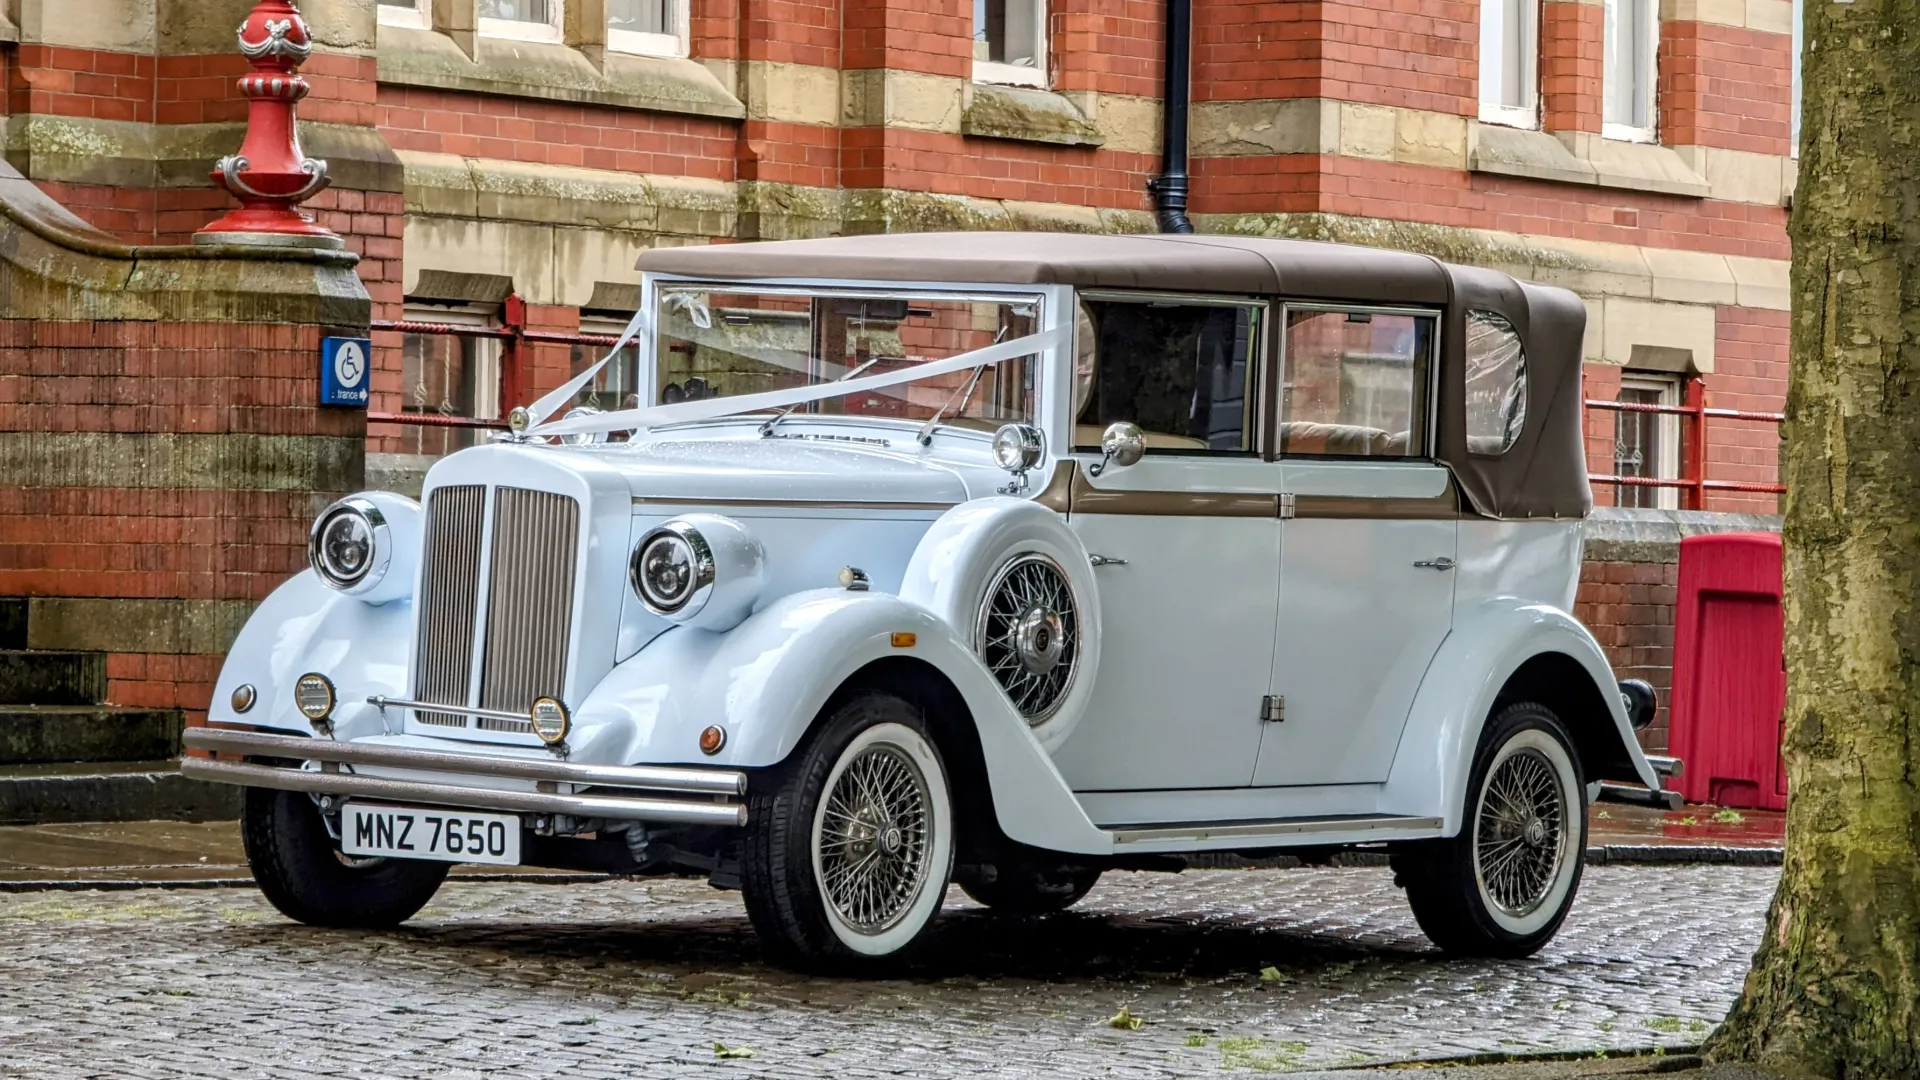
965	395
766	429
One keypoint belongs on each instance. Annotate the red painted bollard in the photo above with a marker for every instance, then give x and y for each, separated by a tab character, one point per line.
270	176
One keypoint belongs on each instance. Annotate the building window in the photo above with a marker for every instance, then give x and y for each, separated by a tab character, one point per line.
1647	444
449	375
649	27
1510	62
1794	136
1632	36
1010	41
525	20
617	385
405	13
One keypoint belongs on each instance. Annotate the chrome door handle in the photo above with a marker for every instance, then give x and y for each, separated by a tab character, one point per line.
1441	563
1105	560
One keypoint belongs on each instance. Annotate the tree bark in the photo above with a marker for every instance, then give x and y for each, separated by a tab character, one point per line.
1835	987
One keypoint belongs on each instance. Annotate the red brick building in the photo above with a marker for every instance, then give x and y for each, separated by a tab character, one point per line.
499	163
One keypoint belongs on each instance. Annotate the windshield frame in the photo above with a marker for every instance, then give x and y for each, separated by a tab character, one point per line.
1047	298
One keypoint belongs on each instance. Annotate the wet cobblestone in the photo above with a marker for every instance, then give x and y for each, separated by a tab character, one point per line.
622	979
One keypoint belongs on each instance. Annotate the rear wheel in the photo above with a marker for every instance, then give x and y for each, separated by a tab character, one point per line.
300	869
1029	888
1504	884
847	854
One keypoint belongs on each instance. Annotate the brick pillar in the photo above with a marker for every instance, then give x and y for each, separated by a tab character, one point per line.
161	452
1572	57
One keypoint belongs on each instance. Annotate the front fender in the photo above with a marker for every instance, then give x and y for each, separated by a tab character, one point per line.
304	626
1489	642
766	680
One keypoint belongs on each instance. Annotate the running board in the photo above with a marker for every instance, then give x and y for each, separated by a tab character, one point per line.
1279	832
1634	793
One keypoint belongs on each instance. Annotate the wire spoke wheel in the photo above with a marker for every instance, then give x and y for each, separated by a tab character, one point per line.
873	841
1029	634
1520	837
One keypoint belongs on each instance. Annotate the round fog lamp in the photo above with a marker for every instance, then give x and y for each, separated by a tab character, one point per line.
243	697
313	696
550	720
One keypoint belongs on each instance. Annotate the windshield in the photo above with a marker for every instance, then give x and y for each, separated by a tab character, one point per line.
715	342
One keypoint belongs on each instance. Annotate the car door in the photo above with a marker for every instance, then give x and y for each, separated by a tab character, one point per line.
1186	542
1367	544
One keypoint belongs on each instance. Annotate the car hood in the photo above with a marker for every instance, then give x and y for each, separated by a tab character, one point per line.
749	470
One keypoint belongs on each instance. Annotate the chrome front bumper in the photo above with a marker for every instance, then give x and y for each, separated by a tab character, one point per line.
662	794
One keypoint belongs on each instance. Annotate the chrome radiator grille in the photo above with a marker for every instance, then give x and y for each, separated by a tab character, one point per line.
449	599
527	589
529	602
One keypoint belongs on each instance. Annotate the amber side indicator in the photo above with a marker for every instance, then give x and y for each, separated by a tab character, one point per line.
905	641
712	739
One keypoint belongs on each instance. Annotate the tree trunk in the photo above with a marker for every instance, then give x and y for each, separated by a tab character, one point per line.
1835	987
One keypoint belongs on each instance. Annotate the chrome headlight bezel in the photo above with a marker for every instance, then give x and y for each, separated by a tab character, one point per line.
727	572
685	601
379	540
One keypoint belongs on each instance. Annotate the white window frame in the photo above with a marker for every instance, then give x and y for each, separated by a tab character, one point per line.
416	17
1793	138
641	43
1527	113
988	71
1666	433
516	30
1649	94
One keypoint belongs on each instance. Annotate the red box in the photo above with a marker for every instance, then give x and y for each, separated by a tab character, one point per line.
1729	678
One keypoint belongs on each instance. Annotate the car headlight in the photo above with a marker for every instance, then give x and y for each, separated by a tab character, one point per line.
365	545
701	570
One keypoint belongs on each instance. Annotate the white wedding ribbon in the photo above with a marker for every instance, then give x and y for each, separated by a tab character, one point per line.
641	323
709	408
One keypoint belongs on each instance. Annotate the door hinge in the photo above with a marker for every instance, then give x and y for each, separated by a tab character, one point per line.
1273	708
1286	506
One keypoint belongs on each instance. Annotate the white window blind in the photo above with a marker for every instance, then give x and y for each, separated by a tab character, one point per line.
1510	62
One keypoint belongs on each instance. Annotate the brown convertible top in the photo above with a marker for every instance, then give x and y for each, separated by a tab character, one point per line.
1544	474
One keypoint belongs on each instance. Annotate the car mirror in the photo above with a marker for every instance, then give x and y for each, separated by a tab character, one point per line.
1122	444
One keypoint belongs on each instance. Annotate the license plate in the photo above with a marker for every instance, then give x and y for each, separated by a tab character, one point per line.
406	832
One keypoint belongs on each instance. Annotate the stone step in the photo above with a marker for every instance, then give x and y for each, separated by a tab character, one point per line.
123	791
52	678
34	734
13	622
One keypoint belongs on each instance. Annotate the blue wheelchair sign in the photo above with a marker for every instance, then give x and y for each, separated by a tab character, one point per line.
344	368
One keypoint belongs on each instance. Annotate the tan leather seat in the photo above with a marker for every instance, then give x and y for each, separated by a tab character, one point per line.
1350	440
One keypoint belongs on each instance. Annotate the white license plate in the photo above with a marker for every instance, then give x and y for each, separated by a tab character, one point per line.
407	832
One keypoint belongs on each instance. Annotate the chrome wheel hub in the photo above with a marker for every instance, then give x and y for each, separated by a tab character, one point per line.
1039	639
1520	839
874	842
1029	634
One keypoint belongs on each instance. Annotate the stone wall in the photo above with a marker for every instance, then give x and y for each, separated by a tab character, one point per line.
161	453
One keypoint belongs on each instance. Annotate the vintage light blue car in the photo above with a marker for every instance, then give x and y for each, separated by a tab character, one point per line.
993	559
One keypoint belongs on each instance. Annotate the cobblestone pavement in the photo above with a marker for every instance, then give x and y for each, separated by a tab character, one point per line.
1228	970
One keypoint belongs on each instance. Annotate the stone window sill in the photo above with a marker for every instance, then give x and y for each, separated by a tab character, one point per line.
546	71
1583	158
1026	114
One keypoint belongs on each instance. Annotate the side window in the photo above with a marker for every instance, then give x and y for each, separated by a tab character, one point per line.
1355	383
1496	384
1182	371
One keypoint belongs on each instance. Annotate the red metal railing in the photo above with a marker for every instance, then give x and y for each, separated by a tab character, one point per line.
1693	481
513	336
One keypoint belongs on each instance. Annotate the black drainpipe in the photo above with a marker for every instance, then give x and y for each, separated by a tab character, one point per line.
1169	189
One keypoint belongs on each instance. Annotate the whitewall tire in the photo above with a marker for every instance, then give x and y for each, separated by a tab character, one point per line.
849	850
1503	886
